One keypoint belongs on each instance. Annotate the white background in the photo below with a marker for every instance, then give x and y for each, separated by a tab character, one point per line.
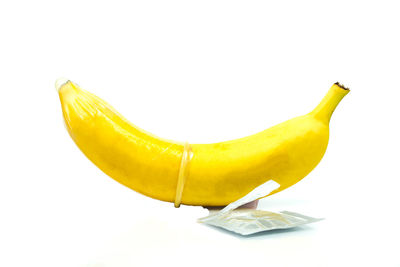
201	71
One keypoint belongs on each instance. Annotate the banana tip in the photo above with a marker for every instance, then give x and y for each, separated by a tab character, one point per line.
60	82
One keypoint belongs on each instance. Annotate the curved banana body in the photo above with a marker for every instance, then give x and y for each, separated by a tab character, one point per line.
219	173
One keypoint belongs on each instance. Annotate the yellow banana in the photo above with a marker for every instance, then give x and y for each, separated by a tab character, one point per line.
218	174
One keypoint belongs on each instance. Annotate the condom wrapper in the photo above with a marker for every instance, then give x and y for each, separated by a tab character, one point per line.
251	221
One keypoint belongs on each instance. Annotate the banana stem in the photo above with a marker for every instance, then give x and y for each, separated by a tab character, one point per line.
329	103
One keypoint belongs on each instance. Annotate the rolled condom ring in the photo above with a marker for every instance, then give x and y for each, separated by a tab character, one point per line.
183	173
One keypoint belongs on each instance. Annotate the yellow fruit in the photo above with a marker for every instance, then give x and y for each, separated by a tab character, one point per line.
218	174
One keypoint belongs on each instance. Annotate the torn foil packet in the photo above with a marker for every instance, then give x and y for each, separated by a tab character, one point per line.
250	221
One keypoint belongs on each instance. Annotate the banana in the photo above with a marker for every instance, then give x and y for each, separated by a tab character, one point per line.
219	173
